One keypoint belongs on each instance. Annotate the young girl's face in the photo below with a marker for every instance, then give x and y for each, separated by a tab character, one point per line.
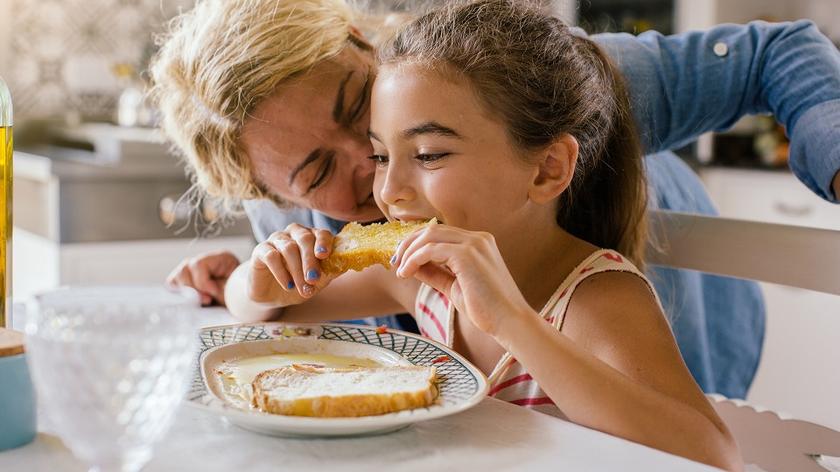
439	153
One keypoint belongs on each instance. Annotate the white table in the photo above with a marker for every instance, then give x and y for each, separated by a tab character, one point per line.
494	435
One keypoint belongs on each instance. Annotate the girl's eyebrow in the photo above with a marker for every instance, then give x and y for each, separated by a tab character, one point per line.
431	127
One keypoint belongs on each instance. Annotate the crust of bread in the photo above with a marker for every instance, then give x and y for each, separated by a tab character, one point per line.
334	406
357	247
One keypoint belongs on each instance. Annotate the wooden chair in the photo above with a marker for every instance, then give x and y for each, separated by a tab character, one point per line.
789	255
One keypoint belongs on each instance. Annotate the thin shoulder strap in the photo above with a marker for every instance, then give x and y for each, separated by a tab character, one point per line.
554	311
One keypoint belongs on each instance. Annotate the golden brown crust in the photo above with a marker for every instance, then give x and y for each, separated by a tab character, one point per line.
339	405
356	247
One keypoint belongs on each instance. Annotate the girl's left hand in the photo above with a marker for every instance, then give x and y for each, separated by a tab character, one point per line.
467	267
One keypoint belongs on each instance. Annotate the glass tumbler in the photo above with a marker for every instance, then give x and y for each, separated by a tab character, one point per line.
110	366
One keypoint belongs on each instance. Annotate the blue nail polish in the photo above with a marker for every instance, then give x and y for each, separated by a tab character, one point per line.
320	249
393	259
312	275
290	285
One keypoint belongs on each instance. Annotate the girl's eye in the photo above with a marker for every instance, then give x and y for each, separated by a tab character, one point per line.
379	159
429	158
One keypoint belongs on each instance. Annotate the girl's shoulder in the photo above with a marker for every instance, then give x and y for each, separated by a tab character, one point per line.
603	267
609	293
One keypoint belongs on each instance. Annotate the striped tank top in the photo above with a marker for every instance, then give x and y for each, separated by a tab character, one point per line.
509	380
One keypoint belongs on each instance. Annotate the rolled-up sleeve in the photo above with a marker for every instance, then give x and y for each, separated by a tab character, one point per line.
684	85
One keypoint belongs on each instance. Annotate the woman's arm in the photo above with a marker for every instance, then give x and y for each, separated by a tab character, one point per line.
374	291
616	368
684	85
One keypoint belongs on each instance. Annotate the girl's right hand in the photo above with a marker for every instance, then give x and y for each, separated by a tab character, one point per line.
286	268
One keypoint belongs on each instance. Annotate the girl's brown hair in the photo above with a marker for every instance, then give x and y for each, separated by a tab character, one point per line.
545	81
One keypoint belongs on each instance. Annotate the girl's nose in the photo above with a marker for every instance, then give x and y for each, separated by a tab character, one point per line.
396	188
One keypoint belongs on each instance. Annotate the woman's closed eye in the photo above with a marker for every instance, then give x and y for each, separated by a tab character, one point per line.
323	172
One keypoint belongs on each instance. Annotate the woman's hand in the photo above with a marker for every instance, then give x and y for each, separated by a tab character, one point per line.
286	268
467	267
207	273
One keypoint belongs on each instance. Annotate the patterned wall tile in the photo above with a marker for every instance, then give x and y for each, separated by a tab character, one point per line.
58	55
61	53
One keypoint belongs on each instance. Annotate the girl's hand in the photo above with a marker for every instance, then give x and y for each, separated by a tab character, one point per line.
467	267
286	268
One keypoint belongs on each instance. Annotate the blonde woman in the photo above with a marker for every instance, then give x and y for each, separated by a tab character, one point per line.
268	102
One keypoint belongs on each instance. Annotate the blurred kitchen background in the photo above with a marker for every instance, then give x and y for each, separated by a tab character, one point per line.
98	196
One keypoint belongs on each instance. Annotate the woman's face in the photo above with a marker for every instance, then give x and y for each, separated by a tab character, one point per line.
308	144
439	154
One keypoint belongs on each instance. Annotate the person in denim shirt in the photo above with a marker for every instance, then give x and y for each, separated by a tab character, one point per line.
680	86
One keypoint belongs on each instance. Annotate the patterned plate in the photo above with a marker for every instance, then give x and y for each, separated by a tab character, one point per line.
461	385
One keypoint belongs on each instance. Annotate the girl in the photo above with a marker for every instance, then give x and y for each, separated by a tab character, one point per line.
499	122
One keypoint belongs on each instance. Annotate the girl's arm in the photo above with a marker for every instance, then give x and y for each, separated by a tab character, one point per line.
284	279
686	84
616	368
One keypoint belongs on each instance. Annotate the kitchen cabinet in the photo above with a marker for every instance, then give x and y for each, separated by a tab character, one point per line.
41	264
84	218
796	374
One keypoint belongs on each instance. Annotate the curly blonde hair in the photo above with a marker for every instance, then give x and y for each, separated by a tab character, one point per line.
220	60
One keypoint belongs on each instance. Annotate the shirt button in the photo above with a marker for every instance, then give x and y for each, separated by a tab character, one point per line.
721	49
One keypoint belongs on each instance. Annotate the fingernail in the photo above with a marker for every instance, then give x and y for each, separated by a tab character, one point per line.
393	259
290	285
320	249
308	290
312	274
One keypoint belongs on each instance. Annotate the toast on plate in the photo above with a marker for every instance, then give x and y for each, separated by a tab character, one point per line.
302	390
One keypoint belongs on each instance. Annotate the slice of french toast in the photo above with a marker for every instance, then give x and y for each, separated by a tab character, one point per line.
301	390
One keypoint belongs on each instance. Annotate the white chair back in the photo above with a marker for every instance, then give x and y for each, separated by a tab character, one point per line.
789	255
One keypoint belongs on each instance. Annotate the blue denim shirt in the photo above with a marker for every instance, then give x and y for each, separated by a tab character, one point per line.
680	88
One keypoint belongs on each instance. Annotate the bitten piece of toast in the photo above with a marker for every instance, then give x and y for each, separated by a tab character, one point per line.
301	390
356	247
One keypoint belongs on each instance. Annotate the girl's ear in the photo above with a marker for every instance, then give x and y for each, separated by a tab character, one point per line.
555	171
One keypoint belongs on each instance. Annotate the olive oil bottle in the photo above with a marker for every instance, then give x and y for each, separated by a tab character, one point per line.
5	204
